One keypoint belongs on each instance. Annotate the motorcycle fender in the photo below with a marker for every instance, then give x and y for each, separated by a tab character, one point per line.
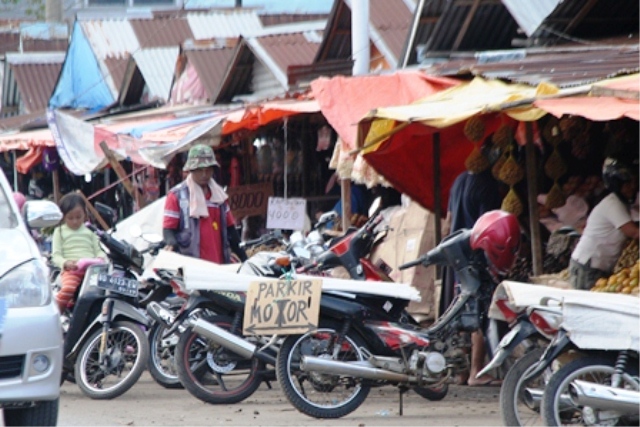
119	309
520	332
193	303
555	348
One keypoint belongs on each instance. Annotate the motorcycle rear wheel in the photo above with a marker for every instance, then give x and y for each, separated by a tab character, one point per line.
514	410
326	395
212	373
597	369
126	359
162	357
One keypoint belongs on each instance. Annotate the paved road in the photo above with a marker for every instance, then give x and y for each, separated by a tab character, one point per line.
148	404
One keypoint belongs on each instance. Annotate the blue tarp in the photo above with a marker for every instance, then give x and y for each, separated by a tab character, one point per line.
81	83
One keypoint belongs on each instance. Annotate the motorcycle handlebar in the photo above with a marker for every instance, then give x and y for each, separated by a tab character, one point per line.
267	238
410	264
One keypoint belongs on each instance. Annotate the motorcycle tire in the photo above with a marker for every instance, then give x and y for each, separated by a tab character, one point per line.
322	398
162	358
515	411
212	373
433	394
593	368
127	355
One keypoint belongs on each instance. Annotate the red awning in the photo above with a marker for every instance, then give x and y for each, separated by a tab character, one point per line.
596	108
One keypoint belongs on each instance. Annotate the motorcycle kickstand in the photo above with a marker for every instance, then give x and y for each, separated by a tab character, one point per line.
402	390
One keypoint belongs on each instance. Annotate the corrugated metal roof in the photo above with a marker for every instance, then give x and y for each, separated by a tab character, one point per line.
390	21
564	67
211	65
116	67
287	18
237	80
278	52
590	19
113	38
157	66
445	26
161	31
224	23
9	41
36	76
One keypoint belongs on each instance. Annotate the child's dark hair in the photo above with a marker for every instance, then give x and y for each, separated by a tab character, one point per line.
70	201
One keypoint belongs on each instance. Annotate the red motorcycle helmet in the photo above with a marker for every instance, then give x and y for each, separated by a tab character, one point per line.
497	233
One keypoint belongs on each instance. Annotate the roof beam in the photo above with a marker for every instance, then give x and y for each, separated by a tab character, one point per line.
580	16
466	24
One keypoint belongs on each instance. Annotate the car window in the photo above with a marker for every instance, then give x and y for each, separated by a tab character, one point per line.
8	218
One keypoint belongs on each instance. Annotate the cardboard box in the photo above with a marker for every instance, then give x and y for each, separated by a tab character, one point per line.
412	233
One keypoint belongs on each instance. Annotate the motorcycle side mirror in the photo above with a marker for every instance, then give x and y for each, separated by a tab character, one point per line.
107	213
327	217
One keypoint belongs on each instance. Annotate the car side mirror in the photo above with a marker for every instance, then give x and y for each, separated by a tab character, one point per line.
41	213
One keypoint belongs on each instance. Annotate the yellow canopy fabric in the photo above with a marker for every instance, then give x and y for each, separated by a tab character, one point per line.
455	105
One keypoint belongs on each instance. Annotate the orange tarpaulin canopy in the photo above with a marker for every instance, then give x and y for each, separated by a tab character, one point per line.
254	116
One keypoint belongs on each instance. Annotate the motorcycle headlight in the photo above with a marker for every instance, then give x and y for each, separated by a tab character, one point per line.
26	286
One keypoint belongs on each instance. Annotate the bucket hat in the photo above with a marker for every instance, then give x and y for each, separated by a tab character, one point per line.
200	156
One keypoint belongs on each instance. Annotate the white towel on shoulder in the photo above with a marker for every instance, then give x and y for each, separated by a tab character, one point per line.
197	201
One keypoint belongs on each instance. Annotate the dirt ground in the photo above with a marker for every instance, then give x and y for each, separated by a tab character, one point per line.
148	404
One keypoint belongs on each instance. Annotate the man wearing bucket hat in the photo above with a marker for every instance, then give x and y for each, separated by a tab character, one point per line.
197	218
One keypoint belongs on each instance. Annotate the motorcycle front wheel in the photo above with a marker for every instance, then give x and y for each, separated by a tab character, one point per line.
125	359
558	408
162	358
516	406
316	394
212	373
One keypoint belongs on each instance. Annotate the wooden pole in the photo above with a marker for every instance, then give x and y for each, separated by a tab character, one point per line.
437	197
55	178
122	174
532	191
94	212
345	194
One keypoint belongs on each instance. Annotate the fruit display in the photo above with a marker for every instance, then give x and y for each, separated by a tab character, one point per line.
476	162
512	203
555	197
502	137
625	281
555	166
511	172
495	170
581	146
572	126
551	132
474	129
628	257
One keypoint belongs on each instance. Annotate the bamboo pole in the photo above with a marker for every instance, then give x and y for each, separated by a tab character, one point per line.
532	191
122	174
94	212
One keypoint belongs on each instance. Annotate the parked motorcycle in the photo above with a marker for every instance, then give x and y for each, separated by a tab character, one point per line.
106	346
361	342
599	385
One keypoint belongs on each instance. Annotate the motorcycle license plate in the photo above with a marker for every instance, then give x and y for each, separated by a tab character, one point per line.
506	340
119	285
3	313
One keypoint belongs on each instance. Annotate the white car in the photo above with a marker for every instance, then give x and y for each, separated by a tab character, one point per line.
30	329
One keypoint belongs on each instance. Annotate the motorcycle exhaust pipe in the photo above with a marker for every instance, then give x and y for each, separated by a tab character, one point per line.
360	369
226	339
603	397
532	397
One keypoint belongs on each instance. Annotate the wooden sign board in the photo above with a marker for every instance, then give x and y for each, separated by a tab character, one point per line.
286	214
249	200
282	307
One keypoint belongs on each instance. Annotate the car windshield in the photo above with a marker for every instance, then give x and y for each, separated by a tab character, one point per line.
8	218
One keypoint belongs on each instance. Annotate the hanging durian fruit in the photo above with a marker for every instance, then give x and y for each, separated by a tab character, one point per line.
511	203
551	132
555	197
511	172
476	162
572	126
555	167
474	129
495	170
502	137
